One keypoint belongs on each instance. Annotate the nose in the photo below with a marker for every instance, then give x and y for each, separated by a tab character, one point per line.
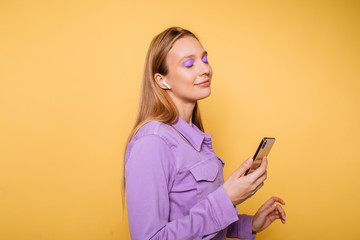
205	68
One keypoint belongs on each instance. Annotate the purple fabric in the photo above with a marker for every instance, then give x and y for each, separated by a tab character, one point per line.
174	191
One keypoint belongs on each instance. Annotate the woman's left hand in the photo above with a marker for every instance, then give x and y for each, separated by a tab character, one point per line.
267	213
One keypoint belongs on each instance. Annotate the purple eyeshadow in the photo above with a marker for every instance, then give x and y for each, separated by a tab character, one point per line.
204	59
188	63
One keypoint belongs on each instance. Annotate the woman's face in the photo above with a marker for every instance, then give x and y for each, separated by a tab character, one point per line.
189	73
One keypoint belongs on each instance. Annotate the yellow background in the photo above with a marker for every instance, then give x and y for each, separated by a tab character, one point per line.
70	75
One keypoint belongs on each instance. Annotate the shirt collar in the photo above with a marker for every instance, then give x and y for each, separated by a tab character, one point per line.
192	133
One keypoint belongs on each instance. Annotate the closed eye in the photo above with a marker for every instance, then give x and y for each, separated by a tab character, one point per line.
204	59
188	63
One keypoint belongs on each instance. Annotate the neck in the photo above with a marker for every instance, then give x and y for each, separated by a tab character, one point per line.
185	109
186	113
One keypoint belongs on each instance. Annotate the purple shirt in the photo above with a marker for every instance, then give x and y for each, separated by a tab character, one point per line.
174	186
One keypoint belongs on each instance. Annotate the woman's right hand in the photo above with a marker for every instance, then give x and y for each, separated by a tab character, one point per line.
239	187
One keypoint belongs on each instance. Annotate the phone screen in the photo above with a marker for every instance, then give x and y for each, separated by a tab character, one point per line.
263	150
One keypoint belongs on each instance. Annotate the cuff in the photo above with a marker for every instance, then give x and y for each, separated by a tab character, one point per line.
245	221
222	208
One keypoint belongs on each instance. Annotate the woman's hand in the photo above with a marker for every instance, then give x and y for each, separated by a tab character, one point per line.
239	187
267	213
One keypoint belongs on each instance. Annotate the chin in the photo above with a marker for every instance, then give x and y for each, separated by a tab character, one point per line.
205	93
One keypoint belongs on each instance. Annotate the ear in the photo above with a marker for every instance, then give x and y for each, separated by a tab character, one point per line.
158	79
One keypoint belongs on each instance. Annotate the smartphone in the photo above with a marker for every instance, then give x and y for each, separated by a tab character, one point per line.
263	150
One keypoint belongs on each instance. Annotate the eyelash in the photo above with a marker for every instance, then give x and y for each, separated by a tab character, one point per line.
202	59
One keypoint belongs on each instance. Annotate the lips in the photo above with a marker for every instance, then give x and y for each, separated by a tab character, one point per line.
206	81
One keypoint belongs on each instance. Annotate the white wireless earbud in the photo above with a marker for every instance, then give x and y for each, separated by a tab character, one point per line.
167	85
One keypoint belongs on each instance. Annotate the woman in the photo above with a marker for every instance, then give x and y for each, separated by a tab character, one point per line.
174	180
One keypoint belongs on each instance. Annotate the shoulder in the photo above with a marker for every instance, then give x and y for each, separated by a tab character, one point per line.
154	134
156	129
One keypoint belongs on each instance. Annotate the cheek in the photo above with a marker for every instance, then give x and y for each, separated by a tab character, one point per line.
184	78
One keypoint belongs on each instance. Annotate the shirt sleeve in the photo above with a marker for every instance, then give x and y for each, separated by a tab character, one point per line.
148	171
241	228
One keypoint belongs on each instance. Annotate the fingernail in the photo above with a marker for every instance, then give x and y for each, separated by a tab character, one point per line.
249	160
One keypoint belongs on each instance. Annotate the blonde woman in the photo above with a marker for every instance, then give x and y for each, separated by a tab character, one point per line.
174	180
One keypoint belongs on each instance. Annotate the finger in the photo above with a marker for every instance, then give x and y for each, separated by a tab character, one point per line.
260	170
258	184
270	202
243	167
281	213
277	199
273	217
273	200
257	188
261	179
268	210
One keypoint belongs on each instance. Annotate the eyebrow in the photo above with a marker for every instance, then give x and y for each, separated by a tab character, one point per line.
192	55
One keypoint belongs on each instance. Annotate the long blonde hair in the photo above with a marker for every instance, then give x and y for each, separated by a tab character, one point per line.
155	103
